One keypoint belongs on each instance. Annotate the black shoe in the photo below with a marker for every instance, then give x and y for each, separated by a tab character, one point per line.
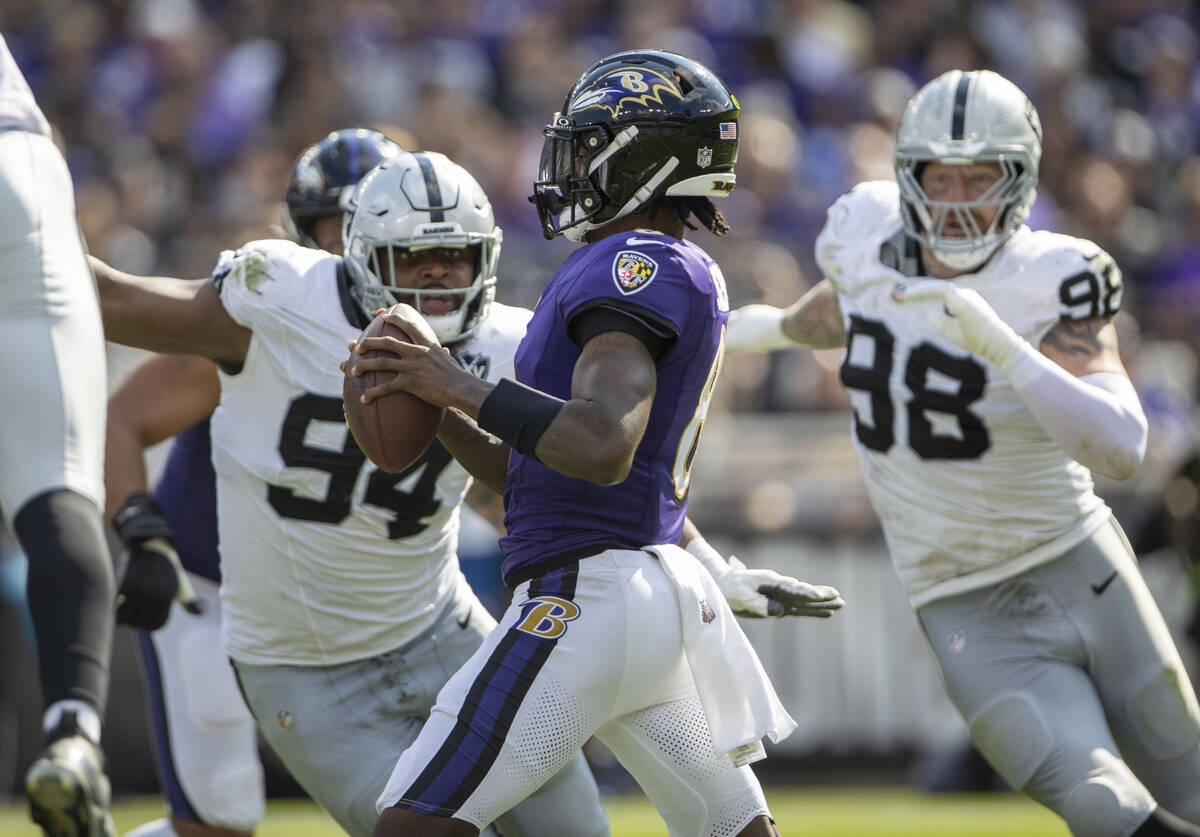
68	791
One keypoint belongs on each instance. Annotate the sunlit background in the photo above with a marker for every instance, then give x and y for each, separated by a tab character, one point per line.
180	120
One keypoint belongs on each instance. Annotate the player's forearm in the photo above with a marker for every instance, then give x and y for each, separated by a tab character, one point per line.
483	456
123	307
815	320
161	314
124	466
586	443
1097	419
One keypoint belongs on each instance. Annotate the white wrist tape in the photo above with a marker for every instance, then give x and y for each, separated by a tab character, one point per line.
1097	419
755	328
712	560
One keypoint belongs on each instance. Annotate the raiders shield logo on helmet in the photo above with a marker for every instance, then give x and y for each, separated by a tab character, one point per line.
633	271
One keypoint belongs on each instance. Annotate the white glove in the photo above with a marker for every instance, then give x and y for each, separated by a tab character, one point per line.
966	318
762	593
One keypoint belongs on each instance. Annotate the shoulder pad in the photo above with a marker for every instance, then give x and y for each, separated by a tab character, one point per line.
258	263
854	216
1088	282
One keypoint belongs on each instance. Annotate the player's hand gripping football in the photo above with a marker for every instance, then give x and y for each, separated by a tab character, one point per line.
153	576
422	367
966	318
761	593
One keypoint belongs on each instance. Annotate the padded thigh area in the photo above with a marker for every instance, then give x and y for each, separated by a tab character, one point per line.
1014	735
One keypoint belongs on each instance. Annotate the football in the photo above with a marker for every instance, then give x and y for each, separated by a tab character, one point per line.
393	431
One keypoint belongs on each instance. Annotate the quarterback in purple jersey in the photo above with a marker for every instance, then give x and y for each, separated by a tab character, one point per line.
614	630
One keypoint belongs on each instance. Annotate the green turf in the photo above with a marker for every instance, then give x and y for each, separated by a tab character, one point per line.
859	812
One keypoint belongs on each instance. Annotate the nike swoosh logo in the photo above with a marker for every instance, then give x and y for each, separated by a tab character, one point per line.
1103	585
462	623
636	241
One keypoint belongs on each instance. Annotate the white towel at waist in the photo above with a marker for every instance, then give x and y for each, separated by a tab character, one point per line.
738	699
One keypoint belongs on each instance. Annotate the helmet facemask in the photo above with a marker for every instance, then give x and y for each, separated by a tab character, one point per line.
470	302
925	219
960	118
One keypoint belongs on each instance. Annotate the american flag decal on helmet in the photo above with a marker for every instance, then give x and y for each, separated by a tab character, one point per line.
728	130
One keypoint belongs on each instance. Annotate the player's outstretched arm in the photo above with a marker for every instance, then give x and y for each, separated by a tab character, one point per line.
163	396
814	320
180	316
760	593
1076	386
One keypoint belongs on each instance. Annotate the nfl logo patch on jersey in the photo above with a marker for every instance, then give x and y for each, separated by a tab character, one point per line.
706	611
633	271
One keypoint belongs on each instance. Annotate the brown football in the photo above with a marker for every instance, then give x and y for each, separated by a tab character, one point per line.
393	431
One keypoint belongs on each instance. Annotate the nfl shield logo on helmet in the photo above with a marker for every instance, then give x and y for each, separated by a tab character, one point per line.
704	158
706	611
633	271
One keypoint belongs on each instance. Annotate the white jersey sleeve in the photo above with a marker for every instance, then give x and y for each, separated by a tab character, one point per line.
968	486
860	213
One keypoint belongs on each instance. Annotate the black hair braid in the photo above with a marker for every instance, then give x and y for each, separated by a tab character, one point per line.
684	207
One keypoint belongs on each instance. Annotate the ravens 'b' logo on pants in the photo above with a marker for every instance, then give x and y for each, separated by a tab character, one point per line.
547	616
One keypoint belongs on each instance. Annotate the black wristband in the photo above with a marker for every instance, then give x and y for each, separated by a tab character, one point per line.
140	518
518	414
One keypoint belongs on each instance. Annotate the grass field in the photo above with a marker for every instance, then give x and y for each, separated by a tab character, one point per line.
827	812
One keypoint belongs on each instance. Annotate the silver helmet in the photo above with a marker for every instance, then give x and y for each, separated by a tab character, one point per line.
419	201
959	118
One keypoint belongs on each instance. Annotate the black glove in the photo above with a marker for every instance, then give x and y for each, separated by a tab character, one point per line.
152	576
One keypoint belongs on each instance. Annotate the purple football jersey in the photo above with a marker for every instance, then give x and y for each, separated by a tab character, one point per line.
677	290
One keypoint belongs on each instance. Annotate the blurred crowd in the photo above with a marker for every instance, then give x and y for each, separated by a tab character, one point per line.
181	119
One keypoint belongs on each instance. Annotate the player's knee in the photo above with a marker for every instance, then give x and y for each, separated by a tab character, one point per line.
1014	736
231	798
1109	800
1165	712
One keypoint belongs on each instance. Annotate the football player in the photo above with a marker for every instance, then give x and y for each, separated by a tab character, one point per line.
614	630
983	367
343	608
51	459
205	741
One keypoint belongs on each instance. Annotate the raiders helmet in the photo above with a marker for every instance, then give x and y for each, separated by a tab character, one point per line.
415	202
968	117
324	176
636	126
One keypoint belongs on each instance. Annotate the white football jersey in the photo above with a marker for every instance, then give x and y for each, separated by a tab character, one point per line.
17	106
969	488
324	558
